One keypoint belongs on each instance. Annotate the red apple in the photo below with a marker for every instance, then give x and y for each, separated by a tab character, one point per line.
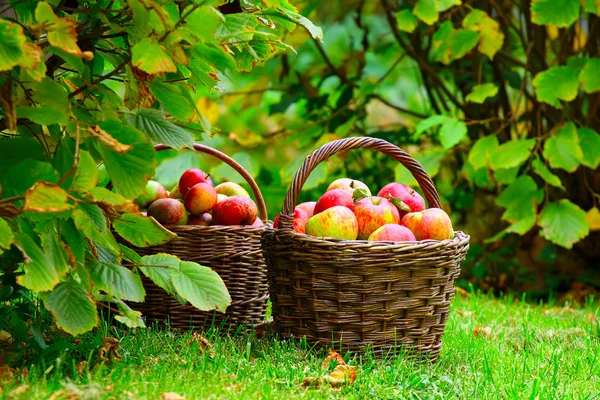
152	192
202	220
308	206
192	177
411	198
332	198
373	212
336	222
432	223
300	219
168	212
348	184
235	210
392	233
231	189
201	198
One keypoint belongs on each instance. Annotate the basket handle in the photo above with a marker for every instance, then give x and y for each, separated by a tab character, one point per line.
331	148
260	201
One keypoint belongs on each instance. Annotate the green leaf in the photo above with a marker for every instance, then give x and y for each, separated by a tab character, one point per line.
542	170
591	6
452	44
482	92
42	115
443	5
141	17
149	56
25	174
511	154
406	20
74	240
12	42
426	11
118	281
142	231
589	142
315	31
18	149
562	149
172	99
50	94
428	123
130	171
521	199
556	83
223	172
39	275
73	309
201	286
491	37
430	161
153	123
589	76
563	223
481	152
131	318
201	24
45	197
103	195
130	255
205	74
61	31
6	234
452	132
158	267
56	252
561	13
86	175
90	220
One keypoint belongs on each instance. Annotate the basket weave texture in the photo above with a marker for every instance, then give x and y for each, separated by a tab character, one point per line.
233	252
358	294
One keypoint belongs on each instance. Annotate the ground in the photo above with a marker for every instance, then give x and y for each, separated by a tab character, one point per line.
493	348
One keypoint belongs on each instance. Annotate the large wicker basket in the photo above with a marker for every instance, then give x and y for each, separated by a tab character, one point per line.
232	251
358	294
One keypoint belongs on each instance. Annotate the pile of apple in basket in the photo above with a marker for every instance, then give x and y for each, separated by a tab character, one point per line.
348	211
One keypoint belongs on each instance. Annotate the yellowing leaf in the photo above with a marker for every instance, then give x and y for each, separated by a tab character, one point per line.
44	197
425	10
208	109
482	92
342	375
556	83
491	38
480	331
149	56
107	140
171	396
11	44
593	218
406	20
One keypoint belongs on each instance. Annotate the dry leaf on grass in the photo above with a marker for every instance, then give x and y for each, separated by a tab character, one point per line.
18	392
485	331
342	374
171	396
463	292
80	366
6	373
333	355
463	313
204	344
108	350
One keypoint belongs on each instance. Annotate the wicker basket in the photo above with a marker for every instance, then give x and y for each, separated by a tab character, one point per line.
358	294
232	251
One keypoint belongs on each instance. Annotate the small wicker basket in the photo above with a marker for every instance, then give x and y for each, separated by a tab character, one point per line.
356	294
233	252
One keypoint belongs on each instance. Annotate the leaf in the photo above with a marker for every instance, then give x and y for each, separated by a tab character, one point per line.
593	219
153	123
428	123
51	94
117	281
542	170
482	92
406	20
107	140
556	83
491	37
61	31
561	13
131	318
25	174
452	44
342	374
158	268
129	172
44	197
482	331
11	45
31	62
315	31
563	223
6	234
149	56
591	6
452	132
103	195
562	149
481	152
589	76
520	200
56	253
425	10
72	308
39	275
90	220
172	99
512	154
429	160
589	141
443	5
201	286
205	74
142	231
42	115
86	175
16	150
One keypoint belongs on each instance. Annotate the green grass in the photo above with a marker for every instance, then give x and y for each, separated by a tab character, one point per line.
533	352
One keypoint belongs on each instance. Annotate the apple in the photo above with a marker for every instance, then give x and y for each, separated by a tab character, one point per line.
192	177
168	212
235	210
348	184
409	197
203	220
373	212
392	233
332	198
175	193
336	222
201	198
231	189
152	192
258	223
432	223
308	206
221	197
300	219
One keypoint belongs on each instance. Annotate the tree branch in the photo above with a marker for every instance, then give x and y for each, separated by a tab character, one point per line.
101	78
